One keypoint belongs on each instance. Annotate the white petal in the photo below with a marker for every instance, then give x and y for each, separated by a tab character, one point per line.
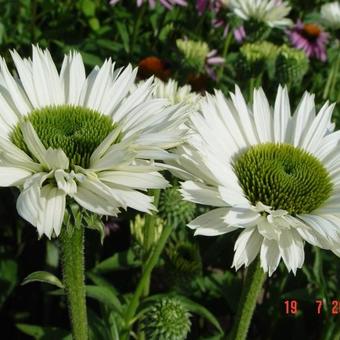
116	155
133	199
281	115
291	249
73	77
56	159
33	142
232	196
134	179
202	194
52	210
29	204
104	145
242	217
317	130
245	116
14	94
270	256
247	246
262	116
301	120
211	223
10	176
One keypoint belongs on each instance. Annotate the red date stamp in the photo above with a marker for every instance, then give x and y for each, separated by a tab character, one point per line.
291	307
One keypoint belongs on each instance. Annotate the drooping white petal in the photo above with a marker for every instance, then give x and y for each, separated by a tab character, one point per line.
52	210
247	246
270	256
291	249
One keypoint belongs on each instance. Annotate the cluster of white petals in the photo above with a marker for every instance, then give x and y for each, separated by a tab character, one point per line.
119	168
330	14
225	128
271	12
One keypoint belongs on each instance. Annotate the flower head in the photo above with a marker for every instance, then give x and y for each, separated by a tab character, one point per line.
67	137
271	12
272	175
330	14
198	57
169	4
310	38
166	319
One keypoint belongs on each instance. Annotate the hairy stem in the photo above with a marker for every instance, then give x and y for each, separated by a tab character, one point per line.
251	289
72	244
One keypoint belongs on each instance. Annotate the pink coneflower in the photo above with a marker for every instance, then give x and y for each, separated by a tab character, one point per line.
310	38
152	3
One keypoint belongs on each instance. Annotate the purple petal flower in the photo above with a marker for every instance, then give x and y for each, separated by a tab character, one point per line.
152	3
310	38
239	34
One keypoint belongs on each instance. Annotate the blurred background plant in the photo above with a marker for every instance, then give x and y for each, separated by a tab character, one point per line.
206	44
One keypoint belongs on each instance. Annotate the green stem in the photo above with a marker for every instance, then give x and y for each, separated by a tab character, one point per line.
335	77
225	52
72	244
332	78
149	265
251	289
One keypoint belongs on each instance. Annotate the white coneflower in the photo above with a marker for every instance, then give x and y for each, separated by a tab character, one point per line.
330	14
273	176
176	94
65	136
271	12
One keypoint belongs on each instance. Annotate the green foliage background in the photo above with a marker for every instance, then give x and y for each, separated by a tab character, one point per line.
128	34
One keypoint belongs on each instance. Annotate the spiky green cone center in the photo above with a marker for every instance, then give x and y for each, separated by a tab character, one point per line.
167	319
283	177
76	130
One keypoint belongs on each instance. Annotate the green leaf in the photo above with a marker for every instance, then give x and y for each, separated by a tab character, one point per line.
200	310
117	262
105	296
8	278
123	32
98	327
44	333
91	59
94	23
88	7
42	276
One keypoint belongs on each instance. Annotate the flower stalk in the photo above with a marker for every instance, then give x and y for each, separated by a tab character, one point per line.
250	292
72	245
149	265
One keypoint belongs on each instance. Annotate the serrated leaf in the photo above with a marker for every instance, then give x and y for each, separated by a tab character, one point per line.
41	276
